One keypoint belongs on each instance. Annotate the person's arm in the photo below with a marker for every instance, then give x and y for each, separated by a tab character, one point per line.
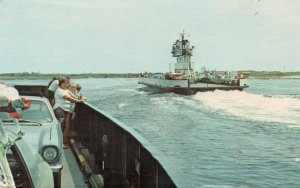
73	99
72	94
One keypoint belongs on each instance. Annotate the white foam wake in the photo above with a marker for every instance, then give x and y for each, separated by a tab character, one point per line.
133	90
254	106
121	105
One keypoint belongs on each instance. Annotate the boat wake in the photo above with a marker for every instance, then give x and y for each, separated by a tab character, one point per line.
121	105
136	91
254	106
149	90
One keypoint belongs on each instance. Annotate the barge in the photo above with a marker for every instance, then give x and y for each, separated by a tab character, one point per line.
184	80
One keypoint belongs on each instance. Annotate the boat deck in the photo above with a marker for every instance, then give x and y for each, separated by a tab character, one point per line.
71	174
205	85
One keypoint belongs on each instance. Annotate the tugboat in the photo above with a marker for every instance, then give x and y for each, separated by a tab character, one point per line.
184	80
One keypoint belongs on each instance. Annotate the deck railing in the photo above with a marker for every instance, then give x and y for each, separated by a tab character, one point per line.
121	155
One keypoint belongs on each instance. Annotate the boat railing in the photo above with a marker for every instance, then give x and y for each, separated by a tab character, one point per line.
121	155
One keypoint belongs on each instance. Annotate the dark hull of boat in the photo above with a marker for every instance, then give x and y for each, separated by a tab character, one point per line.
194	90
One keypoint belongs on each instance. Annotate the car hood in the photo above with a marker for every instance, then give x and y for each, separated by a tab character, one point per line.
40	136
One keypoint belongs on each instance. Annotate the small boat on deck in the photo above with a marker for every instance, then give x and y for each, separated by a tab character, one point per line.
184	80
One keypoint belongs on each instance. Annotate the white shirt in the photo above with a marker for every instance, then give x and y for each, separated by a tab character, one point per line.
54	86
60	101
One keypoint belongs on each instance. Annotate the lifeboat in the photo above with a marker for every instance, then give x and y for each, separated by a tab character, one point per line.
176	76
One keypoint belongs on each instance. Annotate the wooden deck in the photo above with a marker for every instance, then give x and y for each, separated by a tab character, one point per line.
71	174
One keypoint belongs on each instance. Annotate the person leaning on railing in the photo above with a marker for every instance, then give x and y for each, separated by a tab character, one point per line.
74	91
62	107
53	86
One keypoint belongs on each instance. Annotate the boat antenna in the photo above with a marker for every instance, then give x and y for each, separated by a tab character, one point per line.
183	34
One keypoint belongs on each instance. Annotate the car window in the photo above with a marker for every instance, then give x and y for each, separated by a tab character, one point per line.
38	112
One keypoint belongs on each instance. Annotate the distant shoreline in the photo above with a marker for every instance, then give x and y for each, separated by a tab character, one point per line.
40	76
274	75
274	78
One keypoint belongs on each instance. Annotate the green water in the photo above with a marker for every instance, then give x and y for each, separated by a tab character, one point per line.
216	139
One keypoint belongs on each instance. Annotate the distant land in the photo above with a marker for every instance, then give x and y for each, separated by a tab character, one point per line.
273	75
42	76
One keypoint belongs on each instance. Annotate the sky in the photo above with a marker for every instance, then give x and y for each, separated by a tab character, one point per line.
121	36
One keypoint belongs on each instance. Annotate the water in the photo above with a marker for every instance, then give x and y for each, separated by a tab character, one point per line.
217	139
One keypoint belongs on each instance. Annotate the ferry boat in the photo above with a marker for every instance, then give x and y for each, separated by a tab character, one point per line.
184	80
107	153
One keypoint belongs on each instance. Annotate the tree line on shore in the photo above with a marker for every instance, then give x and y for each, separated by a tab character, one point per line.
41	76
35	75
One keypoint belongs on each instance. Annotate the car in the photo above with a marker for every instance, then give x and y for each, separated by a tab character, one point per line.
20	165
42	131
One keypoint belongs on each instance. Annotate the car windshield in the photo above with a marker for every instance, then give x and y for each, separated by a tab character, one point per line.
38	112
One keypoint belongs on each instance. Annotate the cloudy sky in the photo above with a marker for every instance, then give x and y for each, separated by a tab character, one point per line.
82	36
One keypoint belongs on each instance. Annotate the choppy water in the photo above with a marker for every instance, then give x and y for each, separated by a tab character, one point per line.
217	139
